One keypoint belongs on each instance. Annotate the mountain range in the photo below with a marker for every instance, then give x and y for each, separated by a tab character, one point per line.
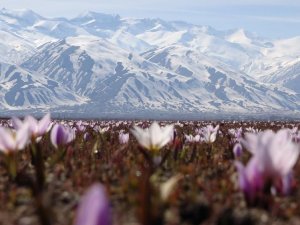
98	64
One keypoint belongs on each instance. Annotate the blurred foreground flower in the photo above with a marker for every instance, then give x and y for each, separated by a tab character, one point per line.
61	135
36	128
10	142
94	207
13	140
168	187
154	137
270	168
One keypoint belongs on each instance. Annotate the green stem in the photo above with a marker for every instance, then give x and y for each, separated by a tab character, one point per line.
61	152
12	165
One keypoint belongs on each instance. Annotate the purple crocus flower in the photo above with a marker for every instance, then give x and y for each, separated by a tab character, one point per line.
94	207
237	150
251	181
86	136
61	135
80	126
273	157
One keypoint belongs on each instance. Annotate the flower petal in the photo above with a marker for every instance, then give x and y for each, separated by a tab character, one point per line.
16	122
22	136
94	207
43	124
7	142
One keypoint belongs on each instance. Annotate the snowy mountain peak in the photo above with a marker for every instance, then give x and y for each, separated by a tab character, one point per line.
97	15
94	20
22	17
239	36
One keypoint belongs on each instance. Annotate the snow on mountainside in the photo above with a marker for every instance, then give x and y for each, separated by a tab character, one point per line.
13	48
220	82
22	89
114	77
125	64
288	76
173	78
19	18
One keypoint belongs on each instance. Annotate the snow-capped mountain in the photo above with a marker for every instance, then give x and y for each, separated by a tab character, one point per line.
173	78
105	63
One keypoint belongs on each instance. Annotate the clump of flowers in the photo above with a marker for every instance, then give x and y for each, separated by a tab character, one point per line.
209	133
269	171
296	134
192	139
236	134
252	130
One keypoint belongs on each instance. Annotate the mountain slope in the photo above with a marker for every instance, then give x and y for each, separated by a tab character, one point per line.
225	85
22	89
14	49
171	78
114	77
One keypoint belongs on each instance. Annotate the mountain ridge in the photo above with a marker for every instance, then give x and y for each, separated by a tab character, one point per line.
110	63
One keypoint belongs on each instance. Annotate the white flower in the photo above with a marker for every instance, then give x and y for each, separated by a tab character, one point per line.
11	140
36	128
154	137
123	138
190	138
210	133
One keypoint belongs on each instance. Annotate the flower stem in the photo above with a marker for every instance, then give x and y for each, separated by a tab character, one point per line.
12	165
39	167
145	198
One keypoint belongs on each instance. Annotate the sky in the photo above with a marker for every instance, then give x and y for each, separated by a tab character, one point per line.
267	18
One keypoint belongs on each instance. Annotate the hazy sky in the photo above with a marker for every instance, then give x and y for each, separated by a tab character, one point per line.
269	18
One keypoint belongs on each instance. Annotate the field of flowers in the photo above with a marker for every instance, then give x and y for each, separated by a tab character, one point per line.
80	172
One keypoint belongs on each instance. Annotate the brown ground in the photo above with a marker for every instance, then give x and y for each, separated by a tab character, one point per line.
206	194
